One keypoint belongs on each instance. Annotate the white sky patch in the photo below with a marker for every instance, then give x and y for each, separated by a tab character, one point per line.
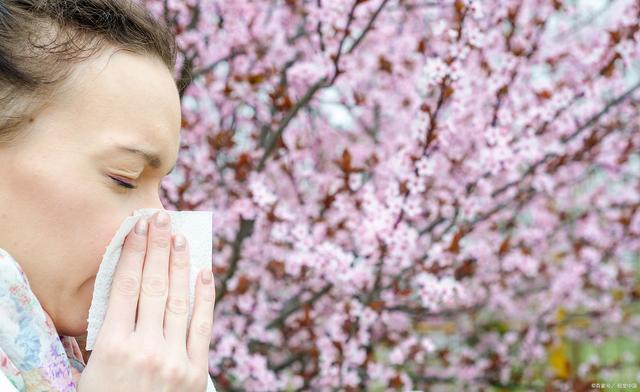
338	116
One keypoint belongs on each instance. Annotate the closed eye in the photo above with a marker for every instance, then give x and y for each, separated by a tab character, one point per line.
123	184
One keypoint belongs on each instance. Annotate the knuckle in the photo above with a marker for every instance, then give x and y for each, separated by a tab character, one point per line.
203	328
175	372
160	242
113	351
208	295
177	305
135	245
127	284
154	285
197	380
180	262
149	360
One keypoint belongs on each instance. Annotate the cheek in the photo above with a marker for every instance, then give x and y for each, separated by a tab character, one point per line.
70	211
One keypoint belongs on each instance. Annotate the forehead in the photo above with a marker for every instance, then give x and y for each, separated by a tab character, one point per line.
125	98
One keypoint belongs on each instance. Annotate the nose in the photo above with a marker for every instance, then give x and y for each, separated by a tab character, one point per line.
156	200
158	204
152	202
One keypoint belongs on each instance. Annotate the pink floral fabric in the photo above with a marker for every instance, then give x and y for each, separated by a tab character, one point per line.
33	357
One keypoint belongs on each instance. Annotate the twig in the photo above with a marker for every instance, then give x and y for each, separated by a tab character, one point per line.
246	229
320	84
297	305
212	66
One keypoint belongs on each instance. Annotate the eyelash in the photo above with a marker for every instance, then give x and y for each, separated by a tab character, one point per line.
123	184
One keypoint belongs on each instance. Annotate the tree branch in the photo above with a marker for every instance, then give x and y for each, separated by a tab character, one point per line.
246	229
320	84
297	305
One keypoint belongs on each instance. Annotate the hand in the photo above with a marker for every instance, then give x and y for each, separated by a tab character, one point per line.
152	352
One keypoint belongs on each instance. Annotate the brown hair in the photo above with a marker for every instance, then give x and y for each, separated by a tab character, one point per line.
41	39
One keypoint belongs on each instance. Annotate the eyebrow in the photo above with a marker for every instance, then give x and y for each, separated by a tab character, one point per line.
152	158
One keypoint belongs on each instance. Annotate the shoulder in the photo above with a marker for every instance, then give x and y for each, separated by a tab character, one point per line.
17	302
31	344
10	270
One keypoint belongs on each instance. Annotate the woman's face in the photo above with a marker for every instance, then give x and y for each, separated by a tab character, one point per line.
59	202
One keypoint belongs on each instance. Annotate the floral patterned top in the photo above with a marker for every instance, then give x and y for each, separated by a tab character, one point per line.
33	357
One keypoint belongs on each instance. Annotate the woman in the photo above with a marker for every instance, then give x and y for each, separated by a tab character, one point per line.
89	125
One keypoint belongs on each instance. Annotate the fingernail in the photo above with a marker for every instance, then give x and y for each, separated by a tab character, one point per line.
206	276
162	219
141	226
179	242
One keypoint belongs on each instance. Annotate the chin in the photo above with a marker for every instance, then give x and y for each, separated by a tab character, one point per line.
72	327
74	321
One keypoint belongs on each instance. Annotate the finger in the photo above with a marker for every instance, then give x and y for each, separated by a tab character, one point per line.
201	321
177	311
120	316
155	277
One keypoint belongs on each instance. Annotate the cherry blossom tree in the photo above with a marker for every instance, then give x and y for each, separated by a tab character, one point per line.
411	194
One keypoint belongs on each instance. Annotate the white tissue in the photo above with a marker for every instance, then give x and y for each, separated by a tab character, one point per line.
196	226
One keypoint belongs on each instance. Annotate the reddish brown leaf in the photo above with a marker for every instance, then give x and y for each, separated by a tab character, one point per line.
243	285
385	65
